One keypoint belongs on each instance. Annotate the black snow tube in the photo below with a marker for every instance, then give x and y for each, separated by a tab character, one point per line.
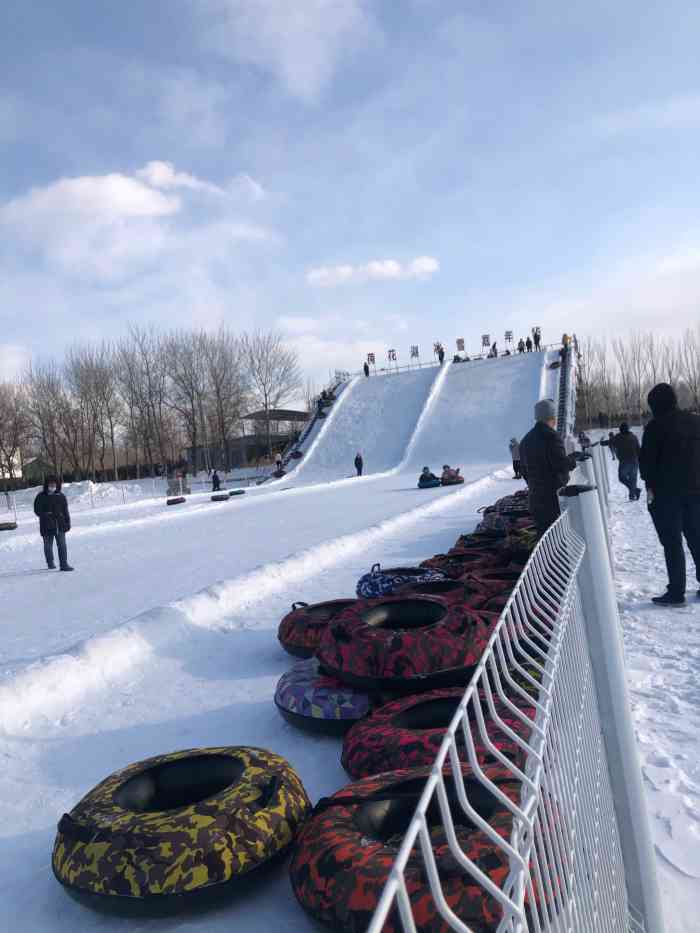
236	492
175	500
220	497
429	483
8	526
163	831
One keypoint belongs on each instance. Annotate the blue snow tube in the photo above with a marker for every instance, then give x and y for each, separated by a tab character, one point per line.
428	483
380	582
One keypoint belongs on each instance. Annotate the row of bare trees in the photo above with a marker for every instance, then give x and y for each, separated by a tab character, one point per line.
615	380
144	399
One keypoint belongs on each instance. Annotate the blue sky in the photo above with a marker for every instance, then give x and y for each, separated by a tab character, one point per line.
361	175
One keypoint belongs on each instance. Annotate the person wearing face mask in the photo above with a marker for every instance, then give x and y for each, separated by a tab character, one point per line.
54	521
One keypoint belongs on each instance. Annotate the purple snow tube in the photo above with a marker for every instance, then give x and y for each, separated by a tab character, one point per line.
314	701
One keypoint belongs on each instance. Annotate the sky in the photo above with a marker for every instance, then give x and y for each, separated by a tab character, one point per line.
359	175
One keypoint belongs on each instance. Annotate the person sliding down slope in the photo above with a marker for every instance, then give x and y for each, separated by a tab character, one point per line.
450	477
427	480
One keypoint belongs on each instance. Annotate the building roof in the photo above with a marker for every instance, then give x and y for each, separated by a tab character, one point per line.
277	414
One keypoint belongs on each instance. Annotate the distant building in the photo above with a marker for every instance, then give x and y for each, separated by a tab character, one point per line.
15	472
35	470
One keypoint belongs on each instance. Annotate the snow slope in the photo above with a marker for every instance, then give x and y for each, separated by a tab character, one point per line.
376	416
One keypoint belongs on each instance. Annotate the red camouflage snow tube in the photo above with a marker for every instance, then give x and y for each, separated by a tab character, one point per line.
346	851
407	733
448	591
300	630
405	643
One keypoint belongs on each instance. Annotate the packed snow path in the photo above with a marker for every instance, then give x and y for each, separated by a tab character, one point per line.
663	659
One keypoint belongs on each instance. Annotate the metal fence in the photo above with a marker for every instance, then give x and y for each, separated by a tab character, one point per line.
551	689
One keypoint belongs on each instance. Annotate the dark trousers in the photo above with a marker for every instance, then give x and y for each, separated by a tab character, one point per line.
60	537
675	516
516	469
627	474
358	467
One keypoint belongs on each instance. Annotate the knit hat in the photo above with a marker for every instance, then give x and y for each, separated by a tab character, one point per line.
544	410
662	399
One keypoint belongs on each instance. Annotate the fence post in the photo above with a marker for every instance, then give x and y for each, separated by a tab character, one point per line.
601	483
592	478
604	638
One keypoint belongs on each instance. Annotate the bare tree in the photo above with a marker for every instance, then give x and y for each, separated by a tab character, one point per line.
225	387
638	372
670	361
586	375
274	373
623	357
45	394
14	429
186	367
652	350
689	359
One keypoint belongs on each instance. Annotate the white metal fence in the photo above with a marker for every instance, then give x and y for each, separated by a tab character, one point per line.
579	852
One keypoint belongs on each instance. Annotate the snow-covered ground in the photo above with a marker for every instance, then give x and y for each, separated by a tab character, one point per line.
663	659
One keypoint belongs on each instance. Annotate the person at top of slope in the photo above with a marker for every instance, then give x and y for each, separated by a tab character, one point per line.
670	466
427	480
528	345
545	465
450	476
51	507
514	448
521	345
359	463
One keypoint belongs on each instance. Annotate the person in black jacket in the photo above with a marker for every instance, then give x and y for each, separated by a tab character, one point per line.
359	463
545	465
626	446
365	367
670	466
215	481
54	521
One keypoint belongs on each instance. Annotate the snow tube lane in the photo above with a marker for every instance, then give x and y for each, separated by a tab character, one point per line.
183	822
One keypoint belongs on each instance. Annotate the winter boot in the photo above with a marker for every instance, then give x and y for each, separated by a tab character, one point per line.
51	566
66	567
668	599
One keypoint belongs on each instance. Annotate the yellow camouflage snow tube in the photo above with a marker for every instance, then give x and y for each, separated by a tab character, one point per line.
179	823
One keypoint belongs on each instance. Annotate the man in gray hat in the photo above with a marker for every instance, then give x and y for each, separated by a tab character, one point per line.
545	465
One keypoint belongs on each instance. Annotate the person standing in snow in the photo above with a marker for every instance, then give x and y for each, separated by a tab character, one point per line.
278	460
537	337
359	463
514	448
528	345
610	442
521	345
545	465
441	356
51	507
626	446
215	481
670	466
365	367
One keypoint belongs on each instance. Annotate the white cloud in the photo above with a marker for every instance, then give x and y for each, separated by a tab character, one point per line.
378	270
13	360
292	324
112	227
299	41
679	112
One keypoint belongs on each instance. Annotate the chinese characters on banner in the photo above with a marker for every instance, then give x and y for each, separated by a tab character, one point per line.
414	351
370	359
509	336
486	340
460	344
391	355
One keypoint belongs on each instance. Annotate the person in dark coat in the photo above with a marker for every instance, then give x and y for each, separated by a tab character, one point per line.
359	463
626	446
366	369
441	356
514	448
51	507
521	345
670	466
610	443
528	345
545	465
215	482
537	337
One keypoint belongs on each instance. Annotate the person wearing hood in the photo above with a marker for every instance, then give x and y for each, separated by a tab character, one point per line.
669	463
427	479
545	465
51	507
359	463
626	446
514	448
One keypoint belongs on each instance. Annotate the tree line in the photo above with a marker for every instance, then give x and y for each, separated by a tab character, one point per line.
614	379
140	401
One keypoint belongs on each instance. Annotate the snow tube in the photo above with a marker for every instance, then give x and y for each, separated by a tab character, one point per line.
220	497
300	630
346	851
380	582
407	733
8	526
405	643
297	454
448	591
175	500
428	483
178	825
236	492
314	701
454	481
455	566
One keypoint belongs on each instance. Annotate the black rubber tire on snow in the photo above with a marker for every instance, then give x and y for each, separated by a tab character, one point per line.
176	500
220	497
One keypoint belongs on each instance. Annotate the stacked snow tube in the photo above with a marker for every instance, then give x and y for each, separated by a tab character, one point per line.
383	582
300	630
312	700
347	849
408	732
405	643
178	826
